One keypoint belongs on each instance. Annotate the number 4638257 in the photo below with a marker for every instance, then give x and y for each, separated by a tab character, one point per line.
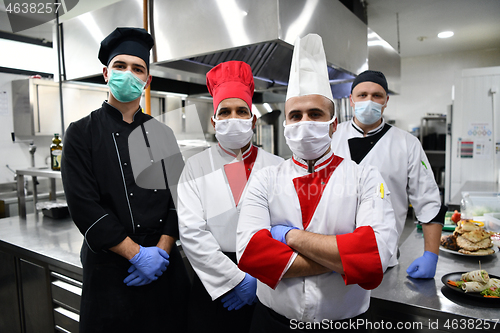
32	8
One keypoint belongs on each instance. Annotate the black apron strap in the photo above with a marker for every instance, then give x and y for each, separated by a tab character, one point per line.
205	315
360	147
231	255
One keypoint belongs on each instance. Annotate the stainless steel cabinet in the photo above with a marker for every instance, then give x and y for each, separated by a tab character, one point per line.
36	297
25	305
66	294
10	318
433	139
36	105
37	111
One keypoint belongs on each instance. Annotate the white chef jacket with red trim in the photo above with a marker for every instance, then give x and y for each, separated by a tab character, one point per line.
401	160
340	198
212	184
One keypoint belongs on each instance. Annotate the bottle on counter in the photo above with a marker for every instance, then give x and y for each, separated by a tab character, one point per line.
56	153
466	207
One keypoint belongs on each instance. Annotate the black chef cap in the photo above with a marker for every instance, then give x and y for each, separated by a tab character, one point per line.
372	76
132	41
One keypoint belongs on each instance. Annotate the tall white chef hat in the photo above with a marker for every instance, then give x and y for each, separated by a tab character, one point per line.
309	72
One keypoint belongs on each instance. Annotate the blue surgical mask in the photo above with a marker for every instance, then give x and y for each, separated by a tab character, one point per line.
368	112
125	86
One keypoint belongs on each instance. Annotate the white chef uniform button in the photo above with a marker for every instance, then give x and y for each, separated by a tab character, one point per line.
117	134
138	226
131	194
161	220
125	164
155	190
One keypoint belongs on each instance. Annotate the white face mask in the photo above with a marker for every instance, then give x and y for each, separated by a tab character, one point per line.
368	112
233	133
309	139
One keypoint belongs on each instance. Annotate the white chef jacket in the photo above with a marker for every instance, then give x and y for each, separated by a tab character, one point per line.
208	213
401	160
349	201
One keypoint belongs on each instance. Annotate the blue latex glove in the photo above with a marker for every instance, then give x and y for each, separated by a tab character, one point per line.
136	278
423	267
279	232
243	293
151	261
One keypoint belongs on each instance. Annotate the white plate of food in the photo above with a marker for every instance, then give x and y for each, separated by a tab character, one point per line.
474	254
469	239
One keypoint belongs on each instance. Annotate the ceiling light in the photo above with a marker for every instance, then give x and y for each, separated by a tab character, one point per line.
445	34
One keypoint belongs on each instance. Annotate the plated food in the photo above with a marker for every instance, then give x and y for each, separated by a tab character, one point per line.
478	281
470	239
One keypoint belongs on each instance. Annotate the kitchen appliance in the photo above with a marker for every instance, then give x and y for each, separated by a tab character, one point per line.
192	36
473	143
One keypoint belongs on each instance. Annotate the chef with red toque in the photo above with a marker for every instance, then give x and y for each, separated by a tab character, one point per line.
212	186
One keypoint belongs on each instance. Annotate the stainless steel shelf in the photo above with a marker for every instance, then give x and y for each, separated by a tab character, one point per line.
34	173
438	152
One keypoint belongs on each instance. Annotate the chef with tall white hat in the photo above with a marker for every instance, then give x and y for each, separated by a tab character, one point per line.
317	231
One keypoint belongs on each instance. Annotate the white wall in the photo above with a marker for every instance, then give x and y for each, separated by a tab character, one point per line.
426	83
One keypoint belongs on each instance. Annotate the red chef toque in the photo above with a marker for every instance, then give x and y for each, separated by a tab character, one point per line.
231	79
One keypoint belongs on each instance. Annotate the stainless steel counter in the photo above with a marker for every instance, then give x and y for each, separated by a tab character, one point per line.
56	242
430	294
474	186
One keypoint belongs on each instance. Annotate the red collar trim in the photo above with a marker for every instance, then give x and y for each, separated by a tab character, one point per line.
316	167
251	150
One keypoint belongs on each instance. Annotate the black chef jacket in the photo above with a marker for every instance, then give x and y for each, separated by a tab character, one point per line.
107	205
103	198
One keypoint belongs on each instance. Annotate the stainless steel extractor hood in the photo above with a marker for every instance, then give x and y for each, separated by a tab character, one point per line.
192	36
384	58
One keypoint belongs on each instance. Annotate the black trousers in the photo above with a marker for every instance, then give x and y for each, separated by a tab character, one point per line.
206	315
266	320
108	305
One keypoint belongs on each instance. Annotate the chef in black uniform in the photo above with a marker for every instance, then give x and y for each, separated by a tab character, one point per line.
134	279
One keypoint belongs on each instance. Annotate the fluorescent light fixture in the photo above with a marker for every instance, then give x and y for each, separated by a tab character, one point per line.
267	107
445	34
28	57
256	111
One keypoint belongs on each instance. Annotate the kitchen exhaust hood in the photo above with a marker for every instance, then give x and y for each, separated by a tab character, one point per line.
192	36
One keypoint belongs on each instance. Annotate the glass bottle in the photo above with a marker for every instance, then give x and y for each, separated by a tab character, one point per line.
466	206
56	153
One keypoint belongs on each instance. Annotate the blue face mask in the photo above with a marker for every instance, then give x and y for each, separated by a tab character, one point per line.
125	86
368	112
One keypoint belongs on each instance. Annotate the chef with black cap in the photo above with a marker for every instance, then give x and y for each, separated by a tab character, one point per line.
134	279
368	140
